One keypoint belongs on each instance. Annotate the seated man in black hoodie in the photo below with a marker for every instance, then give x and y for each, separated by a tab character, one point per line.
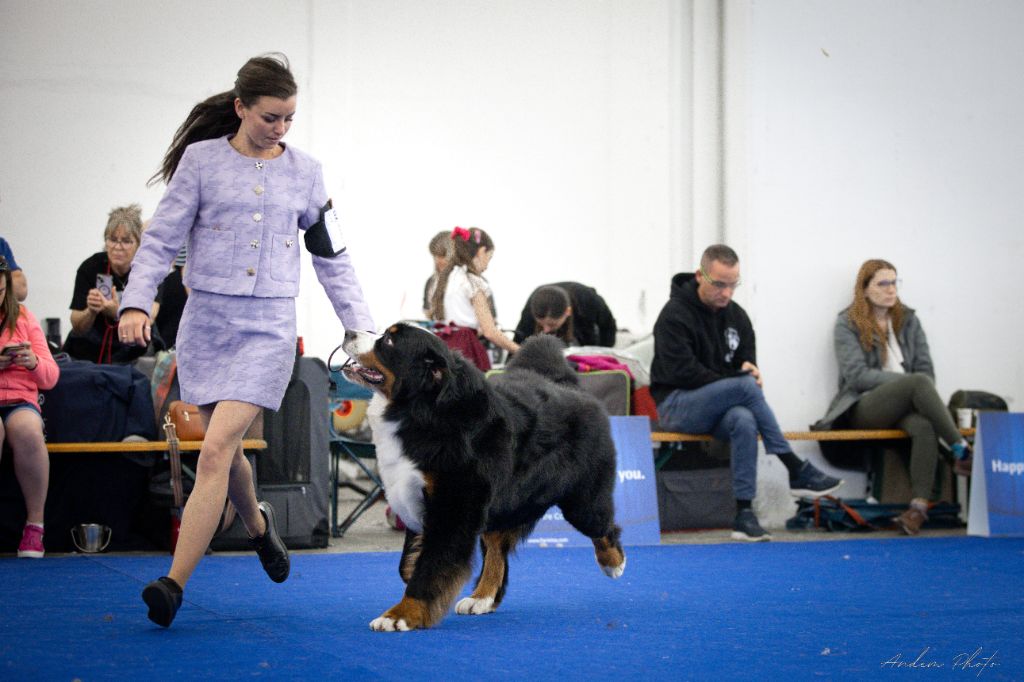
704	379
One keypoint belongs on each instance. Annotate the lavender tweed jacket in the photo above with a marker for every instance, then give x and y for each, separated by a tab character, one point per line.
240	218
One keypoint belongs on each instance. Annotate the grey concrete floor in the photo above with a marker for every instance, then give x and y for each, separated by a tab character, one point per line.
371	533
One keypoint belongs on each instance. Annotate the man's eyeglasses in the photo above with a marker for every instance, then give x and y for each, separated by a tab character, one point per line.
721	286
886	283
125	243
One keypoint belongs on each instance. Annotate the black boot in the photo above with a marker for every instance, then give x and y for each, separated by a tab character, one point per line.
271	550
163	597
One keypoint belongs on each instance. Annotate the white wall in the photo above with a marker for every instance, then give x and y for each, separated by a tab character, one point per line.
581	135
547	124
889	130
877	129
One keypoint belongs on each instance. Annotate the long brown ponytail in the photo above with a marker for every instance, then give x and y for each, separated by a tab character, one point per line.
264	76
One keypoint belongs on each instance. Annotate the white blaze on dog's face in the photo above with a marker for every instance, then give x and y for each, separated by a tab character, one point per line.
404	358
364	368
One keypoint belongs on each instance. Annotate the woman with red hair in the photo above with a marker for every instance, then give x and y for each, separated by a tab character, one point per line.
886	380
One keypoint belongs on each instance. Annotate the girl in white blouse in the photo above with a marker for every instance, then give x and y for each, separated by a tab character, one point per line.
461	297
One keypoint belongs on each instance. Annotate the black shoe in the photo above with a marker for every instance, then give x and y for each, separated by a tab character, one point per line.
272	552
746	527
812	482
163	597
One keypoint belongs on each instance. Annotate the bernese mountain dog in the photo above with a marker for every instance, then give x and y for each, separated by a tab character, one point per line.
463	457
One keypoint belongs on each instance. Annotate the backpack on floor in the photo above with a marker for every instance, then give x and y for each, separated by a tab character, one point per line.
837	515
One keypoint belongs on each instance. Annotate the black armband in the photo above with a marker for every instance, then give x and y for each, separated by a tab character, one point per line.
323	238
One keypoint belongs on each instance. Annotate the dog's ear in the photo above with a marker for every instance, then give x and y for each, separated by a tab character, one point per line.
435	366
460	383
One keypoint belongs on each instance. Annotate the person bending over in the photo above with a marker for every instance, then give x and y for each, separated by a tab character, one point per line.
704	379
571	311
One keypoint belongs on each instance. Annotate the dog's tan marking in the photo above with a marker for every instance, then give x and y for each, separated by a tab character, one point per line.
493	572
370	361
413	612
610	556
428	484
409	560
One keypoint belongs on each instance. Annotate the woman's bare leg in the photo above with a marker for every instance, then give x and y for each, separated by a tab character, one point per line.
216	472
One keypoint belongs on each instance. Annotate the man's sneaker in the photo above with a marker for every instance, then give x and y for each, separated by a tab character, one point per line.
271	550
163	597
31	546
746	527
812	482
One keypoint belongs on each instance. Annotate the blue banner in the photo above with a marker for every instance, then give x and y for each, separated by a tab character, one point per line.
997	476
636	501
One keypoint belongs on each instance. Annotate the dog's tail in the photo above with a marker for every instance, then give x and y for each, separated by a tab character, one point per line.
543	354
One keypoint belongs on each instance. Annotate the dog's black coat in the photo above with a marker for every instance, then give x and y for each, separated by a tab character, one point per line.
496	454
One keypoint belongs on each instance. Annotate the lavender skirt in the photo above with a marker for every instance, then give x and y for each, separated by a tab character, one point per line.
236	348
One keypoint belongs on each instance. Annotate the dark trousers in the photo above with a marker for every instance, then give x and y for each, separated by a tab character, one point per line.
910	403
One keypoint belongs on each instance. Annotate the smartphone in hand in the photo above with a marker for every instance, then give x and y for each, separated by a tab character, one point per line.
105	283
13	349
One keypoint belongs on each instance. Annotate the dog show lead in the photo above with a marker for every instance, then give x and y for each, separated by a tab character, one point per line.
238	197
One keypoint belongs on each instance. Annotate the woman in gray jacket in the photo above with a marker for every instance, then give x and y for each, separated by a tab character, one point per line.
886	380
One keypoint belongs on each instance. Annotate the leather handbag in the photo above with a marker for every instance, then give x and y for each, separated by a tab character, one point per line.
186	420
189	415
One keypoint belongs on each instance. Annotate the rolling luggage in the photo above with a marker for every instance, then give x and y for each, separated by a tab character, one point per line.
293	472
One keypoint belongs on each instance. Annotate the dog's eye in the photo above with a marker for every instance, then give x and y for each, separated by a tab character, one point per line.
388	341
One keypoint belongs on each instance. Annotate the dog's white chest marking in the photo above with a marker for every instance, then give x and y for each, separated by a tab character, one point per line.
403	482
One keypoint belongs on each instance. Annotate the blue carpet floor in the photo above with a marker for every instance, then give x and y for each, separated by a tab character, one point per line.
853	609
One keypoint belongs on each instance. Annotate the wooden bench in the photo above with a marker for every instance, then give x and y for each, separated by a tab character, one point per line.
144	446
848	434
661	437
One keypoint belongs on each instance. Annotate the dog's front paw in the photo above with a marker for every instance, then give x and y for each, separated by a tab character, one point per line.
385	624
615	571
470	606
408	614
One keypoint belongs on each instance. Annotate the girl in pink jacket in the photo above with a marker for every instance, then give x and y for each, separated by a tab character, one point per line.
26	367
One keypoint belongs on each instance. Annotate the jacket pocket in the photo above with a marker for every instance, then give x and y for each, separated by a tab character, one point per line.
284	256
214	252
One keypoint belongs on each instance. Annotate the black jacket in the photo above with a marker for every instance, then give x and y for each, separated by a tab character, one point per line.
695	345
592	321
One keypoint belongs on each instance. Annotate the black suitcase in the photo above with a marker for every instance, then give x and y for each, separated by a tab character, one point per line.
293	473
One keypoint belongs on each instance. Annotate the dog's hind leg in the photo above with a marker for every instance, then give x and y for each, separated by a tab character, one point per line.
490	585
609	553
594	520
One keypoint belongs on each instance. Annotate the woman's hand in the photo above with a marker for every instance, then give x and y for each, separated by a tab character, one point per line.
19	357
95	301
134	327
25	357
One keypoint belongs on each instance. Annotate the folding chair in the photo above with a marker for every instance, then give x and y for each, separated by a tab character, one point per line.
348	400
